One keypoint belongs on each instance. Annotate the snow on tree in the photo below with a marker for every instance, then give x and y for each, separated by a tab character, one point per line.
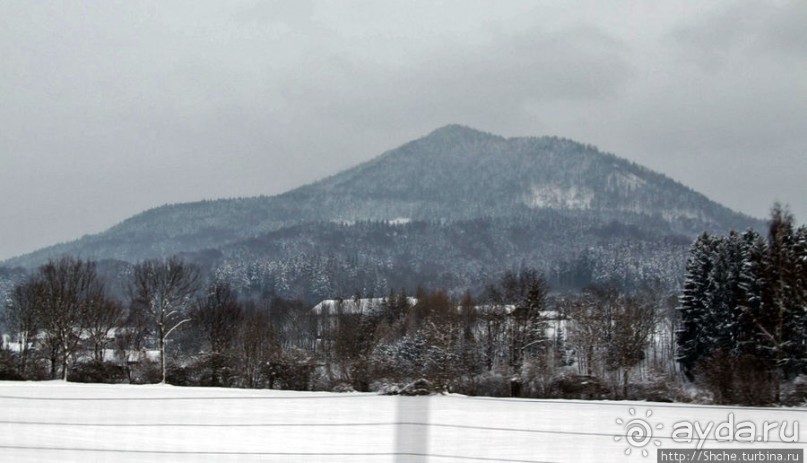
692	344
744	305
164	291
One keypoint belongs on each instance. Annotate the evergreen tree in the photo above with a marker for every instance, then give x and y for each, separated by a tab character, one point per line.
692	344
751	282
782	311
800	300
720	328
775	306
744	303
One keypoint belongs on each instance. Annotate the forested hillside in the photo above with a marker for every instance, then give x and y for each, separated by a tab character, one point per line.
455	208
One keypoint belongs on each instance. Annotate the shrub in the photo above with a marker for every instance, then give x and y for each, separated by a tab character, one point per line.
419	387
731	379
343	387
146	372
294	371
494	386
214	370
182	375
8	367
582	387
97	372
386	388
659	388
796	392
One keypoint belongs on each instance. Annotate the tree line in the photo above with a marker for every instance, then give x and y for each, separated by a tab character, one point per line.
176	326
744	311
738	329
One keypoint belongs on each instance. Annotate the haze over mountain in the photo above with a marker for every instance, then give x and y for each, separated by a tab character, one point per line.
445	181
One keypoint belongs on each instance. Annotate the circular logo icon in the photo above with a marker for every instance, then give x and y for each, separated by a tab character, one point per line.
637	432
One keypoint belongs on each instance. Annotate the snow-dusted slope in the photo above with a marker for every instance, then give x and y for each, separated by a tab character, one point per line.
453	173
61	422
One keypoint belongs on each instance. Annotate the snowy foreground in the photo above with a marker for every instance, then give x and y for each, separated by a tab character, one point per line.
55	421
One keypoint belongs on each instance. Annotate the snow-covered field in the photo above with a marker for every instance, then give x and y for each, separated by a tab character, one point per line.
55	421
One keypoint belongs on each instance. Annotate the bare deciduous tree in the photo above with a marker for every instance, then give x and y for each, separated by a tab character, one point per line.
20	318
257	348
164	290
611	331
218	316
68	287
101	317
634	321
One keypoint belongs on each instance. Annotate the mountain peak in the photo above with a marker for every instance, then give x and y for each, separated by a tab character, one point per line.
455	132
455	173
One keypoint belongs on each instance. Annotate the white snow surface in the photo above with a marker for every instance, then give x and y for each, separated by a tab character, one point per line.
353	306
57	421
555	196
626	181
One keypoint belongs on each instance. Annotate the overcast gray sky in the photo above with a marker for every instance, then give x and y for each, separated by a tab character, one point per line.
108	108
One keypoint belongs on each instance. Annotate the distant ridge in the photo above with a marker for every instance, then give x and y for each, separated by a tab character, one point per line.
448	180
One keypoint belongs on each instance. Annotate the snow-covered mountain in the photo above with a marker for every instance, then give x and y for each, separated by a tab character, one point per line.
455	180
